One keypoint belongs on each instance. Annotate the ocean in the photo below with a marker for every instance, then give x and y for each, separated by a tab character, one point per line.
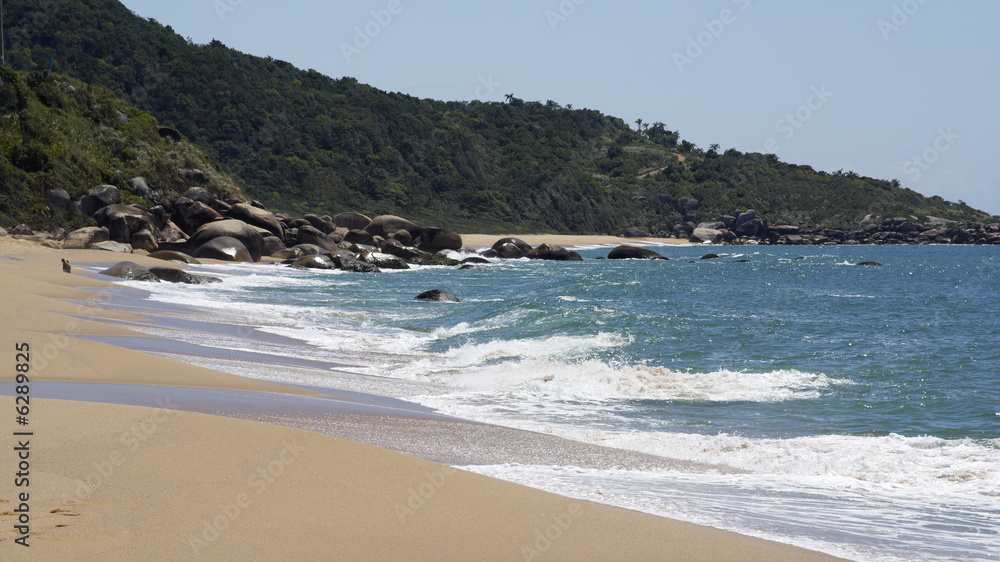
849	409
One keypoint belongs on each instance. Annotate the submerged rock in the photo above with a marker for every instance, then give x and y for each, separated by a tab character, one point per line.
437	295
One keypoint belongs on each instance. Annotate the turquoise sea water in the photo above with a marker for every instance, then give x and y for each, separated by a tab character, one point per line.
860	405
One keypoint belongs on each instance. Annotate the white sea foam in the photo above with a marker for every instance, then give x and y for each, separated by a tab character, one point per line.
846	523
532	371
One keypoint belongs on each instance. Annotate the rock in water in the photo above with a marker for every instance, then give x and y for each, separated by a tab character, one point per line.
629	252
511	248
344	263
434	239
172	275
131	271
437	295
313	261
554	253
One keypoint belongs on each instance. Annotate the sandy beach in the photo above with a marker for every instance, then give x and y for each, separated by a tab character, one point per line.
117	482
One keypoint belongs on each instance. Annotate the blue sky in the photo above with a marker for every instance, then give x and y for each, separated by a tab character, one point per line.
903	89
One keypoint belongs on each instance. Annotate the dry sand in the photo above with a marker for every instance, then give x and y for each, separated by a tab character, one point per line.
111	482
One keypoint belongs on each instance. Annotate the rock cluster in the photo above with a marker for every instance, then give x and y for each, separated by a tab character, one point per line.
746	227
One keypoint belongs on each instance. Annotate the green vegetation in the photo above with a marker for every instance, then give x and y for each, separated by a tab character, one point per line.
59	133
302	142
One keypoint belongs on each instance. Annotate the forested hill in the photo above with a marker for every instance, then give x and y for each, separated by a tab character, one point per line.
59	137
302	142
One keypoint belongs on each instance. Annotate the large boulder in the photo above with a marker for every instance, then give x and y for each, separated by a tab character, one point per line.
317	222
703	235
554	253
140	188
403	237
143	240
288	254
169	255
172	234
271	245
193	175
436	295
345	263
385	225
224	248
743	218
310	249
396	248
752	227
434	239
511	248
257	217
312	235
634	232
249	236
386	261
314	261
130	271
352	221
629	252
98	197
192	215
359	237
200	194
84	237
111	246
124	221
59	198
783	229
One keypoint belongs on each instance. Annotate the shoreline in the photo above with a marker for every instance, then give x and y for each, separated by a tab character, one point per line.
571	241
200	460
